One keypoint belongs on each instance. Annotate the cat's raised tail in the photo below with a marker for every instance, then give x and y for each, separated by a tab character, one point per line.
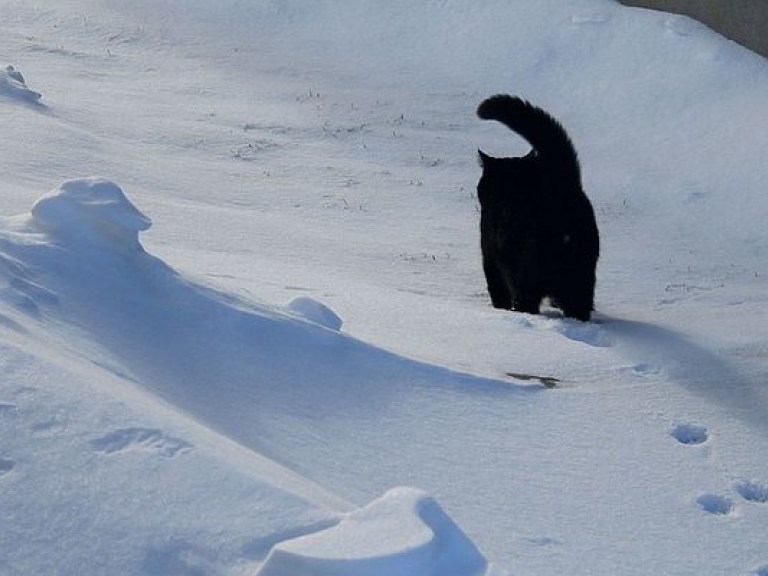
546	135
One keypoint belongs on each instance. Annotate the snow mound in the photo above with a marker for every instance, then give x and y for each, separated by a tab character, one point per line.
316	312
405	532
12	84
93	209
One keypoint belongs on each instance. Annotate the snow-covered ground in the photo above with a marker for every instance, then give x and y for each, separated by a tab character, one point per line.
243	322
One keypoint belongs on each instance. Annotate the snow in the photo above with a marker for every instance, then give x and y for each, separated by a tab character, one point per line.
13	85
317	312
403	532
93	208
260	343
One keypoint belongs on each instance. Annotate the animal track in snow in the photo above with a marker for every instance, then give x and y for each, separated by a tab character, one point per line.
142	439
48	428
715	504
690	434
587	332
641	370
752	490
6	466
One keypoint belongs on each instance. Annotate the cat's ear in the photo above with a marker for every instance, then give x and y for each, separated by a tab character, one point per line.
483	158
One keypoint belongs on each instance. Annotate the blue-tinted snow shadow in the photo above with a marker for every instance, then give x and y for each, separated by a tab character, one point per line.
30	104
253	372
690	365
267	378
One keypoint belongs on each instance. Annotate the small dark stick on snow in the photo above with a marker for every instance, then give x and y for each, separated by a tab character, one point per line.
548	381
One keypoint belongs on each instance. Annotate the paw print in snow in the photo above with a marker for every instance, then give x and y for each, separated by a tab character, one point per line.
690	434
143	440
715	504
6	466
753	491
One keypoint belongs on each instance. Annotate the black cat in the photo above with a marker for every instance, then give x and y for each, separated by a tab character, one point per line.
538	232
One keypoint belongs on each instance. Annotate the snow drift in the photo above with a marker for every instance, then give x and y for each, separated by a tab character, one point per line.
234	363
251	372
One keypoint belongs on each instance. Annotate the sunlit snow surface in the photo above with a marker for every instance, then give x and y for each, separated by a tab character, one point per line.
259	342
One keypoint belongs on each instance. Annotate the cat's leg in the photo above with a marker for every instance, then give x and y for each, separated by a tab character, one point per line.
527	303
575	296
497	285
529	290
579	312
